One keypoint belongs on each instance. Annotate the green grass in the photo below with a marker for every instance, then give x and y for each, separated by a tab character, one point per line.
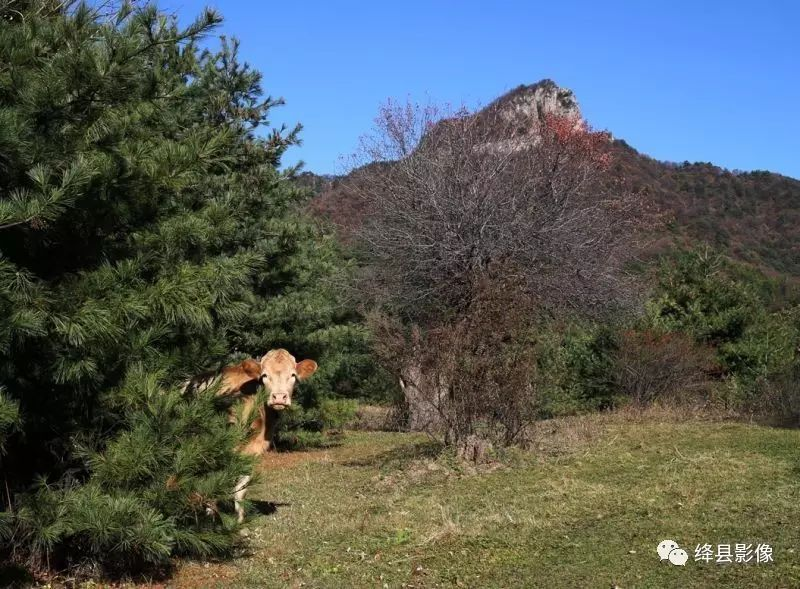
586	509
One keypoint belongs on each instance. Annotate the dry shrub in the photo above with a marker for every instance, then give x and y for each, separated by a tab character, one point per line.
473	379
376	418
662	367
779	396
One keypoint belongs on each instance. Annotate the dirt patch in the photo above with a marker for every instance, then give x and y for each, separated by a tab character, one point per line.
197	575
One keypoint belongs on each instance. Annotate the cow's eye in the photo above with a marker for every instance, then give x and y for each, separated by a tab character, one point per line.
294	375
265	376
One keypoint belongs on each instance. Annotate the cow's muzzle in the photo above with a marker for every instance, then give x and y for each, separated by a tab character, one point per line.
279	402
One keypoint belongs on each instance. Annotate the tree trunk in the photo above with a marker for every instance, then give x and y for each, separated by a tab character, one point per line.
424	396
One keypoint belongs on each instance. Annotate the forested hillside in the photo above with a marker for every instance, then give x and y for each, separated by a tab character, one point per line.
754	216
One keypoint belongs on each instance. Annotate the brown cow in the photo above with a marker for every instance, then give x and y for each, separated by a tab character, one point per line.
278	371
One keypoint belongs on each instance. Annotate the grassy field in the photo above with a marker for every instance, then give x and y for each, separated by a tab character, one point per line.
585	509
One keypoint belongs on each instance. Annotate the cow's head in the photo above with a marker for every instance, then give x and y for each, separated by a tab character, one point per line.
279	373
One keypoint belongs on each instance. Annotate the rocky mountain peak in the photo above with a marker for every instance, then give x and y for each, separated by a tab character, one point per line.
527	105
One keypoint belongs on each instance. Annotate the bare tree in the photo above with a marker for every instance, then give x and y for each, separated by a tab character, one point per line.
451	195
473	224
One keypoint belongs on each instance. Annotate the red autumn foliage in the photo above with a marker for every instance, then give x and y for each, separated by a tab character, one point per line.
577	138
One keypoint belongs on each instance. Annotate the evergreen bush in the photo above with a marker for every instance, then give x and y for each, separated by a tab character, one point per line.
147	233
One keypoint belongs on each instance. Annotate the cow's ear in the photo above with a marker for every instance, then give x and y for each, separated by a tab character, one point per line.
305	369
251	368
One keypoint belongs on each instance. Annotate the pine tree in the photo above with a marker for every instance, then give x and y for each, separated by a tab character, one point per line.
146	233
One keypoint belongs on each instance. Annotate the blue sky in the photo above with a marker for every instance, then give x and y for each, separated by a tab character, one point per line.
698	81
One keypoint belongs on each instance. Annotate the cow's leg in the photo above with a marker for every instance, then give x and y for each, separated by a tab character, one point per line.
270	424
238	496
